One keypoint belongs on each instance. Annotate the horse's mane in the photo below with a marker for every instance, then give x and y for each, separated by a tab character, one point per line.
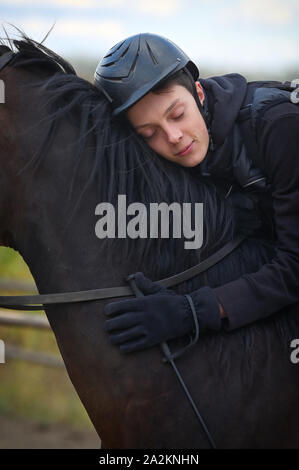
33	53
125	163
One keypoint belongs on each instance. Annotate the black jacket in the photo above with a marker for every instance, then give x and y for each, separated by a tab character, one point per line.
275	285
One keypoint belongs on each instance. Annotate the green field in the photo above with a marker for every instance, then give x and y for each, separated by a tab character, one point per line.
27	390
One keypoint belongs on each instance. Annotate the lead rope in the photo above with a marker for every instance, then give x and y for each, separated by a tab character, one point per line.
169	357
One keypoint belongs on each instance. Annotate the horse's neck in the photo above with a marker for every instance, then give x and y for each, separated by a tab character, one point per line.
65	258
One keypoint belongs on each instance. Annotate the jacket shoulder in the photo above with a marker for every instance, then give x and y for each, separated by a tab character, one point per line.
280	110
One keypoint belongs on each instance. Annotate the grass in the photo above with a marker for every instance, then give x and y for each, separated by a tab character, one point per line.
42	394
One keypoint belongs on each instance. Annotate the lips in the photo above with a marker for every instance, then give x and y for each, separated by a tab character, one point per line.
185	150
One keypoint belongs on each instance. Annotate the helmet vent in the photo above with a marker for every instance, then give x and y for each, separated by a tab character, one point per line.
108	65
151	54
125	51
113	51
132	69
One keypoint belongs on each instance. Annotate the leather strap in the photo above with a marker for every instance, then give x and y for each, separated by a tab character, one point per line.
169	357
36	302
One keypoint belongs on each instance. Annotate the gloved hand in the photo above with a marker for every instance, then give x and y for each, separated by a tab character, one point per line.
158	316
246	213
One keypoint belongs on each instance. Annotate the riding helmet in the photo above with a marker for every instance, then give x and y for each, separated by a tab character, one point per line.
136	65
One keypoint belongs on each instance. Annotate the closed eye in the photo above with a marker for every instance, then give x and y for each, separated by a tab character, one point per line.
148	135
178	117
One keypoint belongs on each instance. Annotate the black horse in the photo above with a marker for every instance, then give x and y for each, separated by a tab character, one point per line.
61	154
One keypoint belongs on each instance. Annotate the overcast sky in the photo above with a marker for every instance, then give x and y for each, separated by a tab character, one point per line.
245	34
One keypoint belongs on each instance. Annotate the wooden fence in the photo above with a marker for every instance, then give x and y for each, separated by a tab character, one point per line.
26	320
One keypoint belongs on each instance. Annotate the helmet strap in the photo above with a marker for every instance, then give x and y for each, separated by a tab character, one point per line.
204	110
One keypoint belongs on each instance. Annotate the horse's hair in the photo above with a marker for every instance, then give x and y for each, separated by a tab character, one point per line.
124	164
123	160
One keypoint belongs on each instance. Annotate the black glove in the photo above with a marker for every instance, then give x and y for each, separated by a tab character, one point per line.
159	316
246	213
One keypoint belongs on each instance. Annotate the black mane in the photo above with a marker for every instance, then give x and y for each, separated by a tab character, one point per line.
124	162
33	53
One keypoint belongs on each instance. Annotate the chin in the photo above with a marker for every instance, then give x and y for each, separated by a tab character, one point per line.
192	162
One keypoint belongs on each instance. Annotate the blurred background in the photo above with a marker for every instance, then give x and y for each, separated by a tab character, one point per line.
39	407
258	38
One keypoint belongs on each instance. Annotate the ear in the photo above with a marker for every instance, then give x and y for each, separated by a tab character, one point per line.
200	92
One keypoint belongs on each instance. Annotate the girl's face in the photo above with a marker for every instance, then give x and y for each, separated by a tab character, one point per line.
172	125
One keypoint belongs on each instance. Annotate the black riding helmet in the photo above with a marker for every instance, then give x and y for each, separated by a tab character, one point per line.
136	65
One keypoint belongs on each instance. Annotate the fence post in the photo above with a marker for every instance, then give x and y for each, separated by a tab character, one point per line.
2	92
2	352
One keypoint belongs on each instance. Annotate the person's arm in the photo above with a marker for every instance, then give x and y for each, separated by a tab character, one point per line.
161	314
275	285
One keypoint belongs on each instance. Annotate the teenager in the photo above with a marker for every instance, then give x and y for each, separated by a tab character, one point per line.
225	128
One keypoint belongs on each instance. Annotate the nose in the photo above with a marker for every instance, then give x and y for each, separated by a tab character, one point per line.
174	134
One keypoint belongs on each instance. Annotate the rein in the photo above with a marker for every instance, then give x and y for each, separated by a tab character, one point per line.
37	302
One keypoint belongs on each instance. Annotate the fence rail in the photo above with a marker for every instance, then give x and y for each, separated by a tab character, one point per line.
12	318
16	285
26	320
27	355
